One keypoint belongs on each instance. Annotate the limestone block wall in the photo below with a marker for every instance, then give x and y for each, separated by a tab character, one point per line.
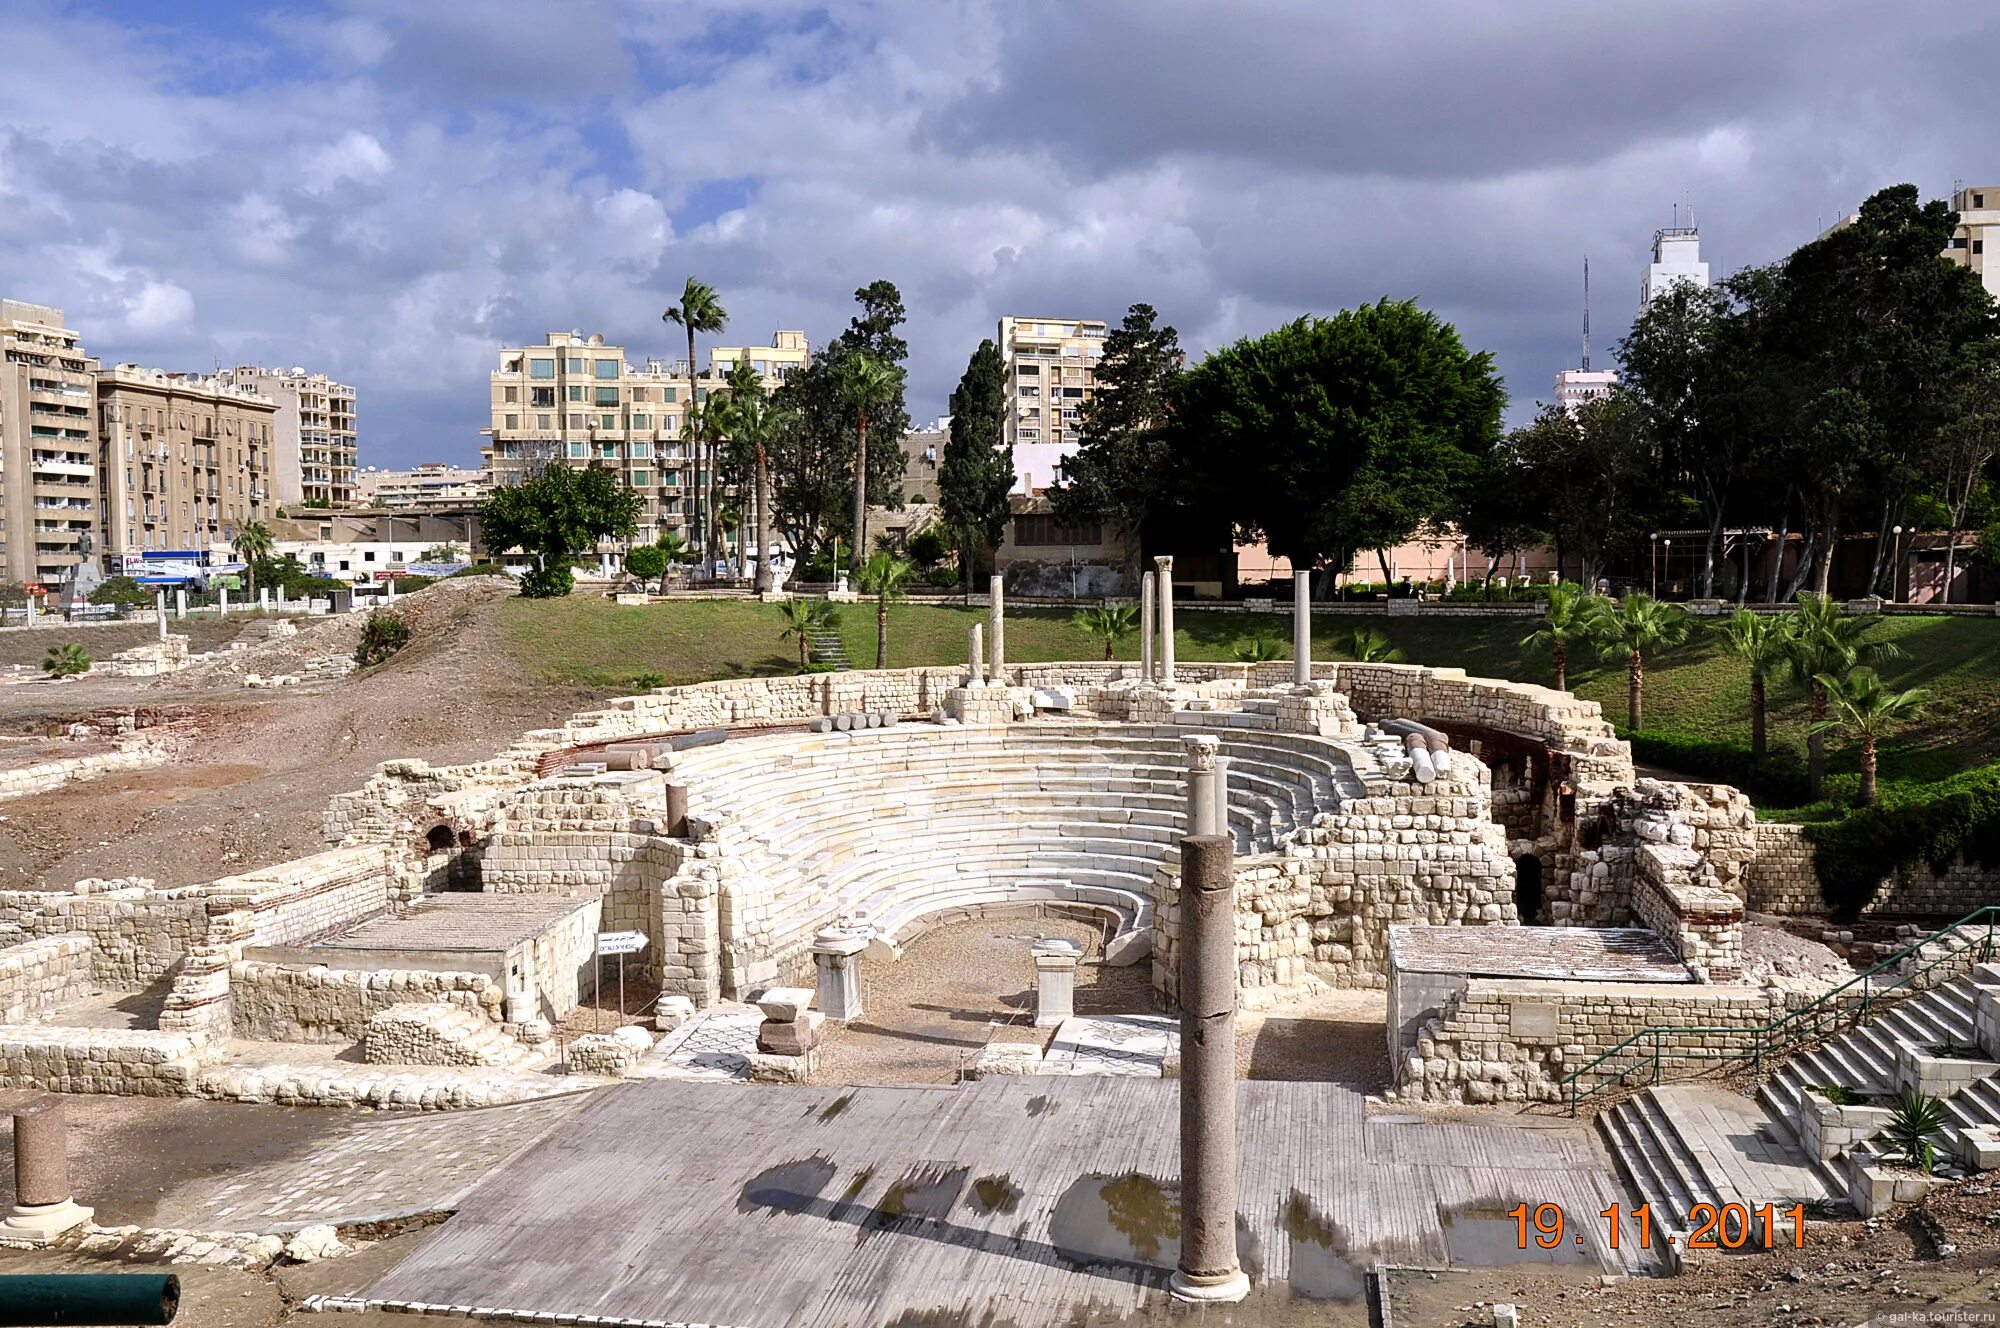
42	975
687	944
1676	895
554	964
308	899
137	933
97	1060
1780	879
1513	1040
288	1003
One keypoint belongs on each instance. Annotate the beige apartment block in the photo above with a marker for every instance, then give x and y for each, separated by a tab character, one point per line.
1978	208
577	400
48	446
315	450
1051	372
430	482
185	459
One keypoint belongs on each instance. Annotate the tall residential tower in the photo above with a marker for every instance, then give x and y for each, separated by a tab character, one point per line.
49	502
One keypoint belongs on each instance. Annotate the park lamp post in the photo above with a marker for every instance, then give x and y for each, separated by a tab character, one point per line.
1653	564
1896	569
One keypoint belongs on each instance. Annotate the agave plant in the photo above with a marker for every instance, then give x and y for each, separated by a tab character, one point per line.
1914	1122
1371	647
1111	623
1259	649
66	660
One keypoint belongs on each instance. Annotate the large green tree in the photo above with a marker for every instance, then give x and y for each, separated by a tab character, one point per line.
1594	476
1122	471
976	472
554	515
1330	436
698	310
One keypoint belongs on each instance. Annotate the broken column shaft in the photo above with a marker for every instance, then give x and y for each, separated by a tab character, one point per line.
1146	626
996	592
1208	1269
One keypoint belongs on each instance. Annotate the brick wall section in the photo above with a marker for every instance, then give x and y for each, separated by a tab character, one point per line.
1782	881
1675	894
299	902
42	975
1514	1040
286	1003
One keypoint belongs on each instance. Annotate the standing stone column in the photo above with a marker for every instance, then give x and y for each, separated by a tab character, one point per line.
43	1206
1302	628
996	593
180	602
1221	813
1165	566
1146	626
1208	1269
1202	754
160	611
222	605
976	639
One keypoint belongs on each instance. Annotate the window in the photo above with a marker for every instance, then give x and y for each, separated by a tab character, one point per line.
606	368
700	395
576	392
1028	371
607	396
513	421
667	394
369	556
541	368
1979	200
541	396
1958	242
1979	246
642	479
642	449
670	423
671	479
1072	392
543	421
642	421
576	366
512	394
579	450
1040	528
576	421
1031	391
608	421
1031	435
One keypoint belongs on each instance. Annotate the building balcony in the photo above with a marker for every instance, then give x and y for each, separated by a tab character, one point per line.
75	468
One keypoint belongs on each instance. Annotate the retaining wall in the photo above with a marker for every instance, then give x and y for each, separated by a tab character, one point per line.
1781	880
42	975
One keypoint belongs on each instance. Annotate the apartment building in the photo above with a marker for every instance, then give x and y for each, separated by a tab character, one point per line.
48	446
1676	260
575	399
184	459
1978	209
1051	372
315	451
430	482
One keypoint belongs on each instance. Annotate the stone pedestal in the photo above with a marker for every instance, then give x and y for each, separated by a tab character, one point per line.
837	957
1055	979
980	705
222	604
1146	626
180	602
1302	628
677	811
1164	566
1208	1269
790	1028
43	1206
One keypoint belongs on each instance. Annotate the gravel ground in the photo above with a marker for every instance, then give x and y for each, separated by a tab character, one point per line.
1776	957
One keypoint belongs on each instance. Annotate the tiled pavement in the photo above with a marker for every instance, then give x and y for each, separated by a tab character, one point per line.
716	1045
366	1168
1115	1044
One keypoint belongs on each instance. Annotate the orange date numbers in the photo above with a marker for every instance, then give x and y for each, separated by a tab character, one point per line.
1708	1227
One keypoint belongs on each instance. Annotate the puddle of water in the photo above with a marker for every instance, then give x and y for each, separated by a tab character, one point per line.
835	1107
925	1194
1483	1236
1128	1219
1321	1268
789	1187
995	1194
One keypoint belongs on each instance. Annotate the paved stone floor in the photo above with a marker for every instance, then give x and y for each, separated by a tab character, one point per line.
715	1047
1005	1201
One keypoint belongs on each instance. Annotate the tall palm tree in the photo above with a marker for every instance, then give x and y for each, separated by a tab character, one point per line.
1865	708
803	617
1112	622
671	544
1760	641
870	382
700	310
1627	629
253	541
1565	622
1824	641
752	421
884	576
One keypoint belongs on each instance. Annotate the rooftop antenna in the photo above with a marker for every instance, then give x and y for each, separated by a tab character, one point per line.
1586	313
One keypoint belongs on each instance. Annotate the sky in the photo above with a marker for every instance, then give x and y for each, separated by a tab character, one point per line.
389	191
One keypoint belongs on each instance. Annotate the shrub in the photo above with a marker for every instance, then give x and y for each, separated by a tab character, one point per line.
647	562
1257	650
647	681
66	660
121	590
381	636
817	667
406	584
942	576
1929	823
928	549
479	569
548	582
1779	780
1914	1122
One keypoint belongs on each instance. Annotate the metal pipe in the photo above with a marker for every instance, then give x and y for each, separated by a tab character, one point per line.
88	1298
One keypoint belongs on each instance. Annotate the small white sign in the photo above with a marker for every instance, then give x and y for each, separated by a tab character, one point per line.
620	942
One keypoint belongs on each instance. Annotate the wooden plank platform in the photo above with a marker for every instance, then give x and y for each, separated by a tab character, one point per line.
753	1206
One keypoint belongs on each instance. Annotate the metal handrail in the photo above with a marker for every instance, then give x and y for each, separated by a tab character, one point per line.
1764	1040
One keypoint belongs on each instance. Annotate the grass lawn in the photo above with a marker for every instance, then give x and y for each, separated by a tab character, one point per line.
1696	690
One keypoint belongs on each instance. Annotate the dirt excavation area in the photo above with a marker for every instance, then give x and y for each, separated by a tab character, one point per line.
255	766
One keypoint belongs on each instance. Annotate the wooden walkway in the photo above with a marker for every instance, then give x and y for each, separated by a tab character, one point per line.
1028	1199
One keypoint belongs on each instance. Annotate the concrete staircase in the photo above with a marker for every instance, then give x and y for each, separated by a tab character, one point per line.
434	1034
826	648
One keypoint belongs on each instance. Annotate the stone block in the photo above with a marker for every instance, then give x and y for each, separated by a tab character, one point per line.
784	1005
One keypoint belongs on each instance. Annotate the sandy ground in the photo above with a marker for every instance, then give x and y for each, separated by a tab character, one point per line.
251	789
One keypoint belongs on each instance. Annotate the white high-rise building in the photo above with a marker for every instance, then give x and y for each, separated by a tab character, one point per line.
1676	258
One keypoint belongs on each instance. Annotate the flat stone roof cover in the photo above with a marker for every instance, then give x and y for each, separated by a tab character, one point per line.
460	921
1570	954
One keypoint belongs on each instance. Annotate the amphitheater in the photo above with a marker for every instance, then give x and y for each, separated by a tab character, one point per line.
1480	850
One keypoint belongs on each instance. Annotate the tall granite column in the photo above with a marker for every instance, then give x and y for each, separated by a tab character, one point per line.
1146	626
1165	566
1302	628
996	593
1208	1270
43	1206
976	641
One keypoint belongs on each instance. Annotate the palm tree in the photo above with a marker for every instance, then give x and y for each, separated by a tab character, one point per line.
253	541
1627	629
1112	622
1760	641
870	382
1825	641
752	421
884	575
1371	647
699	310
671	544
1865	708
803	617
66	660
1565	622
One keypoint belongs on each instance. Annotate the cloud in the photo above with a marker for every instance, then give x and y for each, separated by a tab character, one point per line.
390	192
